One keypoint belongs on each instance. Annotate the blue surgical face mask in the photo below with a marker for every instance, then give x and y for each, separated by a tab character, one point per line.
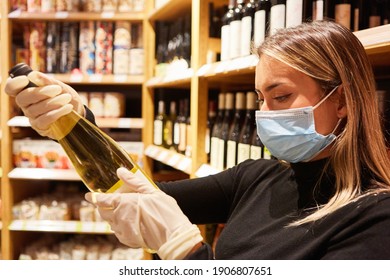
290	134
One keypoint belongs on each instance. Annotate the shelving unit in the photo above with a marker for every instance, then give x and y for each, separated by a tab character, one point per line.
199	80
21	183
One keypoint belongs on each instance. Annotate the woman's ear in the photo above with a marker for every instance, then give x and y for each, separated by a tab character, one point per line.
342	106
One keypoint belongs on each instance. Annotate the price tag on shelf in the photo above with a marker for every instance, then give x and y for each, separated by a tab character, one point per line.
185	164
174	159
163	156
120	78
107	15
221	67
61	14
15	14
96	78
76	78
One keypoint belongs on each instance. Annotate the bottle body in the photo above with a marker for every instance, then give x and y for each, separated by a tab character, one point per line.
95	156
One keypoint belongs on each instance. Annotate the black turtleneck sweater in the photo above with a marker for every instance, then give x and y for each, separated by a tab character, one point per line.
258	199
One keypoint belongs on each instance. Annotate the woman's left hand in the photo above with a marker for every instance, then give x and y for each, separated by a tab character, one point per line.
147	217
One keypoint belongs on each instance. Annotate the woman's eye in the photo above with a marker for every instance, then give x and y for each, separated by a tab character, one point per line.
282	98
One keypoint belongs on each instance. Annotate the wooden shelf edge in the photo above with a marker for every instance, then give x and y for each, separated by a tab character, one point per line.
18	15
170	158
99	79
170	10
60	226
43	174
131	123
374	37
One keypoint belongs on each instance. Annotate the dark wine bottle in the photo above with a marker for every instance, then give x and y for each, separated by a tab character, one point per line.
214	152
261	22
225	32
247	27
235	129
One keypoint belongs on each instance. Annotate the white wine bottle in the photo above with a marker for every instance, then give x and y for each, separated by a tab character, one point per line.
95	155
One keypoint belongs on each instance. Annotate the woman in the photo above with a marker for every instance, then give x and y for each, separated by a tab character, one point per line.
326	197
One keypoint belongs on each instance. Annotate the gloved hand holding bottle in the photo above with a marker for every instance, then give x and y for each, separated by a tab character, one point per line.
147	217
46	103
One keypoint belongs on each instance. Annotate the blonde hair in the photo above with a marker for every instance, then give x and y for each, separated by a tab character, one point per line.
332	55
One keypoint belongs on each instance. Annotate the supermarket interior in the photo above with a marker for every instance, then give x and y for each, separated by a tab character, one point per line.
166	81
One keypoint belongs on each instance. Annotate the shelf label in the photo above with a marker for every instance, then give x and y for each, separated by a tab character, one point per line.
107	14
96	78
75	78
185	164
120	78
15	14
61	14
173	160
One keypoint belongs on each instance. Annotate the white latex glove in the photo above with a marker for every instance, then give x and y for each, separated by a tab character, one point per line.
46	103
147	217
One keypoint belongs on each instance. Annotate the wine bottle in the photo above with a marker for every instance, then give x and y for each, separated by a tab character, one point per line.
235	30
256	147
188	151
225	32
277	15
159	125
214	152
294	12
235	129
342	12
360	15
224	132
261	24
95	156
247	27
169	126
323	9
211	118
247	128
374	17
182	120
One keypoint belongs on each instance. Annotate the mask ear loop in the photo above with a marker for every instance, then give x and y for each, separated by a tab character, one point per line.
326	97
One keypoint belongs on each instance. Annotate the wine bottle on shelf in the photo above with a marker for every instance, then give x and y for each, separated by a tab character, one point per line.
95	156
235	129
343	12
52	47
323	9
247	27
224	133
176	129
374	16
188	151
261	21
277	15
159	124
182	123
247	128
307	10
360	15
211	118
256	147
169	126
235	30
294	12
225	32
216	131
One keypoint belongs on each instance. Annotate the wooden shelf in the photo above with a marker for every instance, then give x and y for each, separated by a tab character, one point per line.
170	10
170	158
179	80
99	79
18	15
61	226
44	174
131	123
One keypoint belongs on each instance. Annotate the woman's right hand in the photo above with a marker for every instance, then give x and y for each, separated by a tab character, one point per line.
46	103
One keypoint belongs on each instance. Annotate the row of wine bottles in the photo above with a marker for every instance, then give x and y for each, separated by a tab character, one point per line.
233	134
88	47
173	45
246	23
49	6
171	130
